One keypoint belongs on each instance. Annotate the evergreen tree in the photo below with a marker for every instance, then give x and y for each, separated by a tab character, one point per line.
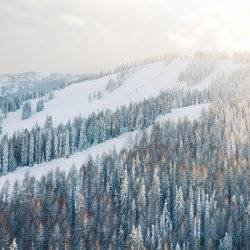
26	111
39	105
82	137
135	239
31	149
48	146
12	160
5	156
25	148
67	144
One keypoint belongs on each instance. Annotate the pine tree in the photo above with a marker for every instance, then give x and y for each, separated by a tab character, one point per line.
13	246
207	225
12	160
25	148
226	243
191	226
154	198
26	111
73	135
124	188
31	149
67	144
141	205
56	146
48	146
177	247
165	223
179	207
38	146
135	239
40	236
39	105
83	138
5	155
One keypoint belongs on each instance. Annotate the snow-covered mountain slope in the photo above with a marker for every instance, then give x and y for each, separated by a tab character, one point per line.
191	112
31	78
12	84
143	82
123	141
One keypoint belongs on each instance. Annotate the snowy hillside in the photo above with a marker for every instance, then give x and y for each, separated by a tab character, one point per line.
111	92
160	151
32	78
191	113
124	141
141	83
11	84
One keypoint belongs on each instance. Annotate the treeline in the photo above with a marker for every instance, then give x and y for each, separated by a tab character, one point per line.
183	186
236	84
26	148
196	71
24	89
26	86
16	93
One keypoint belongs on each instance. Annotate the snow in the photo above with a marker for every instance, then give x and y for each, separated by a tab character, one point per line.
191	112
72	101
125	140
143	82
225	67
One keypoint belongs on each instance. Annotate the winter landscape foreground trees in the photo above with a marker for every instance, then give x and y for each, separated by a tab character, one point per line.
183	186
180	185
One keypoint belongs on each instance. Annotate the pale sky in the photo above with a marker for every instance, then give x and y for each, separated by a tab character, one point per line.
90	35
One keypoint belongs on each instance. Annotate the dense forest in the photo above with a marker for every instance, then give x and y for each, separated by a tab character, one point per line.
25	148
185	186
181	185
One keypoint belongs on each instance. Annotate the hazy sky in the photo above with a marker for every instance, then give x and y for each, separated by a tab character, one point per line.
88	35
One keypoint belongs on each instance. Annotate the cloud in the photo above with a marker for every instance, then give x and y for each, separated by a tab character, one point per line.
87	35
73	20
220	26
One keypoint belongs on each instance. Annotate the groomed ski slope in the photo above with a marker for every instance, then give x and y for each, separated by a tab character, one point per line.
73	100
125	140
144	82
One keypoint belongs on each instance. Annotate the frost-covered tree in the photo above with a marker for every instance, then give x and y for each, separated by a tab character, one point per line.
13	246
26	111
12	159
25	148
39	105
226	243
67	144
136	239
82	137
31	149
48	146
5	156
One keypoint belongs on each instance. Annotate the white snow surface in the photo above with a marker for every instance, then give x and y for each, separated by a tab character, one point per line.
73	100
124	141
144	82
191	112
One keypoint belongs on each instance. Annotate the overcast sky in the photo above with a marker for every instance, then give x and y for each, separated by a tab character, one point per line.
89	35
